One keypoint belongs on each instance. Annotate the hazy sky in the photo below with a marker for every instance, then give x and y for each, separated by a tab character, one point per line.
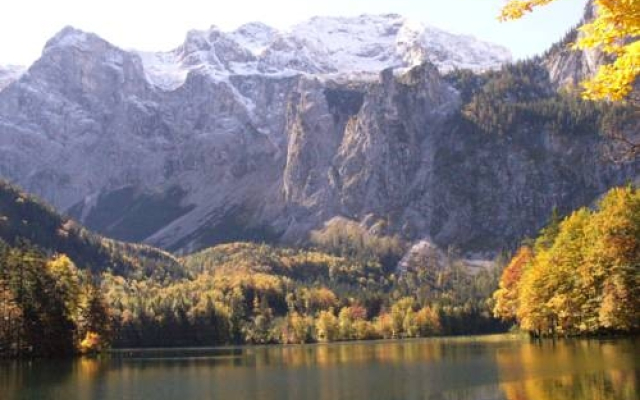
25	25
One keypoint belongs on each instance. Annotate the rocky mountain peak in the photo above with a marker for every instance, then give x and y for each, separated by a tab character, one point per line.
259	134
255	36
363	45
72	37
82	63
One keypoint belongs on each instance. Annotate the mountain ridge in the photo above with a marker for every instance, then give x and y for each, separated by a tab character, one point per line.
474	161
362	45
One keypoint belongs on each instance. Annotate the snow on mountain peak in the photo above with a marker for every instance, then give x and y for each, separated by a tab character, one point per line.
364	45
254	36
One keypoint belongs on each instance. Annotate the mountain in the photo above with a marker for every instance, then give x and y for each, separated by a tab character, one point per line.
361	46
264	135
9	74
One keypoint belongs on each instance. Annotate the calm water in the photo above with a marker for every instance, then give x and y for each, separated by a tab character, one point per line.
483	368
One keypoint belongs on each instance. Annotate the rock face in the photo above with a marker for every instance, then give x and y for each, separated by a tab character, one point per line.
263	135
9	74
567	66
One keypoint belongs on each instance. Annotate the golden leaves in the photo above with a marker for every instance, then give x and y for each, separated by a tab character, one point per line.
615	30
516	9
575	284
615	81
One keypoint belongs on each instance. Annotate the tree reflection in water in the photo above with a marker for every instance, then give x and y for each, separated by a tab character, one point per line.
571	370
487	368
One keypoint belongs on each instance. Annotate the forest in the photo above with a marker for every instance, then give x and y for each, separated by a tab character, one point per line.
522	95
64	290
48	306
83	292
581	275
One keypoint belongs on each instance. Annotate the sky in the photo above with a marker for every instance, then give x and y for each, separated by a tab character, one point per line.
154	25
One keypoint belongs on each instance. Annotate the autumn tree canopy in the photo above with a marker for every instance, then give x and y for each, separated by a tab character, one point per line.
614	30
582	276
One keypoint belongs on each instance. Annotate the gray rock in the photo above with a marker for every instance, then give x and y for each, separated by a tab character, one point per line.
9	74
224	156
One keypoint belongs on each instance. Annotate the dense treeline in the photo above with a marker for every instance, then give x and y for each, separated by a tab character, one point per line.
47	306
521	96
581	275
109	293
50	272
348	239
249	293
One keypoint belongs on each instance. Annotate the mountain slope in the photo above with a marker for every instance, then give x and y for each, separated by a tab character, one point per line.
474	161
232	293
25	218
9	74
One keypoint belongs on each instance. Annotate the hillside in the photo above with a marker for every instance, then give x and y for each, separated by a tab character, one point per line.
347	287
24	219
81	292
256	294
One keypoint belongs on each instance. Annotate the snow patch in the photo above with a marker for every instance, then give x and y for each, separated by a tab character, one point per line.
254	36
355	46
163	70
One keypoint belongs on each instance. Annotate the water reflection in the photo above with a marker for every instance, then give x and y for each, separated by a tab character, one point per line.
584	369
500	368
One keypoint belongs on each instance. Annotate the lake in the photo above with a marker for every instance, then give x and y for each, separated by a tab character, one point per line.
482	368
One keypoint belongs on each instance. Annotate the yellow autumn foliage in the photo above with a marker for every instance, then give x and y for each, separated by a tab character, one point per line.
614	30
586	280
92	343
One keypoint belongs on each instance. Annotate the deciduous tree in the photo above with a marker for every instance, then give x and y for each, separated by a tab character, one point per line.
615	30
